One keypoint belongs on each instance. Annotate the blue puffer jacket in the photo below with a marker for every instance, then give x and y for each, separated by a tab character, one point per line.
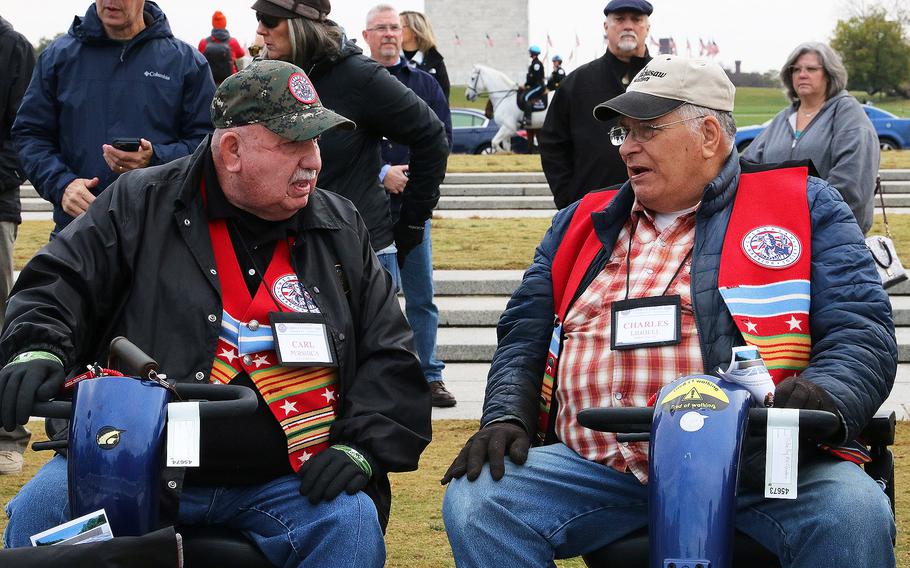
854	352
88	90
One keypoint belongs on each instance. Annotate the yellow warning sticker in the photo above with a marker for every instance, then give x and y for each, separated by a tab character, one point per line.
695	394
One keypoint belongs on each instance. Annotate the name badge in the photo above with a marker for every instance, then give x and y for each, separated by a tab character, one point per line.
645	322
302	340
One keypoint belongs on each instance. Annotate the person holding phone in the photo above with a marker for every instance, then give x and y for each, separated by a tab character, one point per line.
119	73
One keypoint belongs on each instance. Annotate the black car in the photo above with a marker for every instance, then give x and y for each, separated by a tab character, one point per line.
472	133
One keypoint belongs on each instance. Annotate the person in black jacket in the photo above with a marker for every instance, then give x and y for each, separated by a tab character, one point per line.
234	238
418	43
18	61
575	149
359	88
557	75
534	82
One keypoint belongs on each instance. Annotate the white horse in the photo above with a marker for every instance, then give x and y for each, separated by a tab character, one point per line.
503	92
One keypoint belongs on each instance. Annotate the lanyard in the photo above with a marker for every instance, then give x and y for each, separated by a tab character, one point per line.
629	262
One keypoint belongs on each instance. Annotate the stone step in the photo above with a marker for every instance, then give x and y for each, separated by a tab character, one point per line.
485	311
467	344
476	282
503	202
501	189
496	177
515	213
36	204
504	283
892	175
477	344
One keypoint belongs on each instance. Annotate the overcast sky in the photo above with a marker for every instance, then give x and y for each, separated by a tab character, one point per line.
760	34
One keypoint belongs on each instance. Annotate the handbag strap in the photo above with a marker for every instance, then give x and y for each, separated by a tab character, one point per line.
881	197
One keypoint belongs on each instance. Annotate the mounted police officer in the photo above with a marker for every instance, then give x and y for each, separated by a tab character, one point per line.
557	75
534	82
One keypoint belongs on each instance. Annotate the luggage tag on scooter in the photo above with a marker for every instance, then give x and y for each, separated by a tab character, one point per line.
645	322
182	434
782	460
302	340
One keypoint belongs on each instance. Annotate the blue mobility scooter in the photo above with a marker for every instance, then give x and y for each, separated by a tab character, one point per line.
115	456
701	457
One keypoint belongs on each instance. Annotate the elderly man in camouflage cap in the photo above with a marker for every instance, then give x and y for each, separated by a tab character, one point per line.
207	264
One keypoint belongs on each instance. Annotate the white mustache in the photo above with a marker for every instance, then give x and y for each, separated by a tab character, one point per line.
303	175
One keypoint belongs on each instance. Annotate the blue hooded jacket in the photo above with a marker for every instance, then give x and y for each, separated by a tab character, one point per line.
88	89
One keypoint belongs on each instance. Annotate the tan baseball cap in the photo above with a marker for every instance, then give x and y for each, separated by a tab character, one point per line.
668	82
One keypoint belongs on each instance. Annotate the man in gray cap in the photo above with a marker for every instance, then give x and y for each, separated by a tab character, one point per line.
689	231
237	238
575	151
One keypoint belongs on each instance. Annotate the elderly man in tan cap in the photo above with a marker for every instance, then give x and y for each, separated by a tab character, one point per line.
205	263
695	246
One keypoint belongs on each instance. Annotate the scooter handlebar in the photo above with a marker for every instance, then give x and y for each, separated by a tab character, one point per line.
218	401
635	420
130	358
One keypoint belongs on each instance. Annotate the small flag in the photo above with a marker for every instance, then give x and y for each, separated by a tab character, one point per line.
457	40
489	40
653	42
519	39
549	41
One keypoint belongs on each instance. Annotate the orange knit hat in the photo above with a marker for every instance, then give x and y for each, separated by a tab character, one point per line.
219	22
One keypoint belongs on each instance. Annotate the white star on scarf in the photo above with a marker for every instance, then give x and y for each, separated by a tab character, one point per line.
794	323
228	354
304	457
329	395
752	327
260	360
288	407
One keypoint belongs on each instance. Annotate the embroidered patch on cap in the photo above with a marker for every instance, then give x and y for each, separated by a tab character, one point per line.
772	247
302	89
288	291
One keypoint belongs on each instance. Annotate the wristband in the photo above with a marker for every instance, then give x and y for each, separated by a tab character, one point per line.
33	355
356	457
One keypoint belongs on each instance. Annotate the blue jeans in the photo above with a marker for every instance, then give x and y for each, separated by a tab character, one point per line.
560	505
283	524
389	261
422	313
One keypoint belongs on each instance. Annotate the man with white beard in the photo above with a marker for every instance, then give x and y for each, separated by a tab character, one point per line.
575	148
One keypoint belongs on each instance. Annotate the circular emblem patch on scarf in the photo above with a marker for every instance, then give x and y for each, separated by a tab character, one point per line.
772	247
302	89
289	292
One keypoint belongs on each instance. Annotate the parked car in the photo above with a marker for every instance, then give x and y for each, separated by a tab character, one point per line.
472	133
893	131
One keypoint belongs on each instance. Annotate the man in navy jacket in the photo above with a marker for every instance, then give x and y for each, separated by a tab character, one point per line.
118	73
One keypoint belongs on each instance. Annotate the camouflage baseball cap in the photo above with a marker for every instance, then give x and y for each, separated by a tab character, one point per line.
277	95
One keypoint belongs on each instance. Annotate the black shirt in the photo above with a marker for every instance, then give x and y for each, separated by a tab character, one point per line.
252	449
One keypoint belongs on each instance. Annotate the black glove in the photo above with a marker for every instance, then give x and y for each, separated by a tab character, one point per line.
490	444
339	467
30	376
797	392
407	236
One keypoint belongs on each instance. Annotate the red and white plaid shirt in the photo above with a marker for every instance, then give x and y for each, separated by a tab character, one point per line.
591	374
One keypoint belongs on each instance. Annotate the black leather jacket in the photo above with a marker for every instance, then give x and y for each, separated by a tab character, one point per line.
139	263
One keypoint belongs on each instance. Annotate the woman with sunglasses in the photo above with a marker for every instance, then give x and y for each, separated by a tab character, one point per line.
824	124
355	86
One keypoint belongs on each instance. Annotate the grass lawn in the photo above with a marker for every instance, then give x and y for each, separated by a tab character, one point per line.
416	536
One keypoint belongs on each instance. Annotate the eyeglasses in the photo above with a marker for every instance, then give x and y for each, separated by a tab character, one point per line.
385	28
642	132
268	21
810	69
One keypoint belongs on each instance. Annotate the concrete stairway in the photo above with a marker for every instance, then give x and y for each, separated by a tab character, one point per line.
528	195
